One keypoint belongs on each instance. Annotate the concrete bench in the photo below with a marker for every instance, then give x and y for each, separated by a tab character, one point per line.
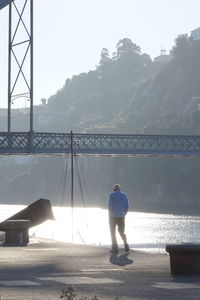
184	259
16	232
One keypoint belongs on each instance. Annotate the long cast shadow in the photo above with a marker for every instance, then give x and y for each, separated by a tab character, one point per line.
120	260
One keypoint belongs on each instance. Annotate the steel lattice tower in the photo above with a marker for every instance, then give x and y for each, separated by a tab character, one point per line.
20	63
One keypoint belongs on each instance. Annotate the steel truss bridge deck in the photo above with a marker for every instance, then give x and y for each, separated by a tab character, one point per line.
98	144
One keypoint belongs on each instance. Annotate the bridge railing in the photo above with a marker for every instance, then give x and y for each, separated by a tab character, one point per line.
98	144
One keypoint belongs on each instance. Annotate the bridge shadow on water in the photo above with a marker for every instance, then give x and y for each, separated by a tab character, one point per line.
120	260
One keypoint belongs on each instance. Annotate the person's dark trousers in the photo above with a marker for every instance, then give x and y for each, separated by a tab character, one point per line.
120	223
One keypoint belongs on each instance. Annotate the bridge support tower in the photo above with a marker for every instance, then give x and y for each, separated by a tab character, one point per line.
20	55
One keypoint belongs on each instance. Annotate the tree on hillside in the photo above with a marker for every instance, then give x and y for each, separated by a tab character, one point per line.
105	57
104	67
186	54
146	59
182	44
126	46
127	61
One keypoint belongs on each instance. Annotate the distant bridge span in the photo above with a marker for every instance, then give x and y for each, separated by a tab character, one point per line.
33	143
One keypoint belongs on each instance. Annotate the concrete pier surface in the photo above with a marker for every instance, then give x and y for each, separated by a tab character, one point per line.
44	267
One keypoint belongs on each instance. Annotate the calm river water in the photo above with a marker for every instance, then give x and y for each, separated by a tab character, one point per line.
145	231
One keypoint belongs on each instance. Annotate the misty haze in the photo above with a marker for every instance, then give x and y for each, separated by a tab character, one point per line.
99	149
128	92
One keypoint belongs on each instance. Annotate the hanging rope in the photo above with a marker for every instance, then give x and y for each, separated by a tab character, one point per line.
62	186
84	183
66	170
78	171
81	176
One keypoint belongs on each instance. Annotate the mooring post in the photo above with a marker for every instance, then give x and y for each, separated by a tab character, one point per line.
16	232
184	258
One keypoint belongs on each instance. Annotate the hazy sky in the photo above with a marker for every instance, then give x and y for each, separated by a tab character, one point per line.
70	34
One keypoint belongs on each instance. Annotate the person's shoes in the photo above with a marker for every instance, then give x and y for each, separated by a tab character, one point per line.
127	249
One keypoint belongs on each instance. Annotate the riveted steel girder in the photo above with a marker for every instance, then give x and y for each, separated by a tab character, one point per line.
98	144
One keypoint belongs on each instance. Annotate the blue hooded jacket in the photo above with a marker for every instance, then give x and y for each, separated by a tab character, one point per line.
118	204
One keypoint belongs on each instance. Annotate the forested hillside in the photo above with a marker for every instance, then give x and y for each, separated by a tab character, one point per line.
127	92
97	99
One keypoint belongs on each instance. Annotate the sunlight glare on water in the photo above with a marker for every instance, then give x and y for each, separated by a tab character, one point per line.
145	231
90	226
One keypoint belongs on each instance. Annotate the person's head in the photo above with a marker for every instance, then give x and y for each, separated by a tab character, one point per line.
116	187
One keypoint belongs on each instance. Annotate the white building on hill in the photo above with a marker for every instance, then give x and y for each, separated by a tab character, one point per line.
195	34
163	57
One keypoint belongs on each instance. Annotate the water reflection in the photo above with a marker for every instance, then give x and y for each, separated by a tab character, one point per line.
145	231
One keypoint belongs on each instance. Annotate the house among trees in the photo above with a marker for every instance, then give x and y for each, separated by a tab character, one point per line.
163	57
195	34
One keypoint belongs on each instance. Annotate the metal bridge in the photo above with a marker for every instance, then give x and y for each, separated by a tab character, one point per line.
33	143
12	143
